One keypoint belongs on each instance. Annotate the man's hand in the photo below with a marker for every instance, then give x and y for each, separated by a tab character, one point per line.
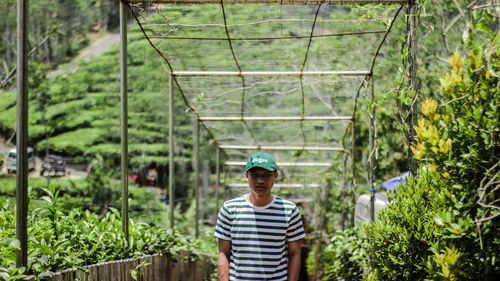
223	262
294	249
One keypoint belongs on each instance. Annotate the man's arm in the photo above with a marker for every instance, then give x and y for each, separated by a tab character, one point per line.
223	262
294	249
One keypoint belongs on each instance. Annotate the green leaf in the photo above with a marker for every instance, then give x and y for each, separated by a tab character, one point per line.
483	25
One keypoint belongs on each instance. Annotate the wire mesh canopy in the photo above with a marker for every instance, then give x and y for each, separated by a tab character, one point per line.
270	77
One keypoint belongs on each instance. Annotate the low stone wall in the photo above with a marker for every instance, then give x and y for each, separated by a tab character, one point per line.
156	268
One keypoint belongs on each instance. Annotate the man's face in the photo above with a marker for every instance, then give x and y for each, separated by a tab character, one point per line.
261	181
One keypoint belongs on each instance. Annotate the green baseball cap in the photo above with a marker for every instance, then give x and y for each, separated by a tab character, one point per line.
263	160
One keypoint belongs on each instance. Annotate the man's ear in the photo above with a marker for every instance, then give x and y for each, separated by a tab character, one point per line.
276	174
246	175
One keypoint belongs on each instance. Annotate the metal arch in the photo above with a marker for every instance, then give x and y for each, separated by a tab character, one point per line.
241	73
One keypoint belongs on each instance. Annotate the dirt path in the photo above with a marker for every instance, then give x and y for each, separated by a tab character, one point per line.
94	50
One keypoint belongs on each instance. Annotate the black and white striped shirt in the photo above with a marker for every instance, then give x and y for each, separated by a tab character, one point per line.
259	237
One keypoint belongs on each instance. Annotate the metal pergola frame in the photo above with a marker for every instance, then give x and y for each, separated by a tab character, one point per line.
200	119
22	107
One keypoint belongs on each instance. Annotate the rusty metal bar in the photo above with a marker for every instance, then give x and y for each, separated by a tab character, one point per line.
412	34
196	163
217	182
272	73
292	164
171	171
353	171
371	144
275	118
269	38
270	147
343	192
124	117
22	134
279	185
310	2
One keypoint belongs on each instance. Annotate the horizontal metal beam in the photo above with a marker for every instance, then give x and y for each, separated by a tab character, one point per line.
292	164
268	38
275	118
311	2
287	185
271	147
272	73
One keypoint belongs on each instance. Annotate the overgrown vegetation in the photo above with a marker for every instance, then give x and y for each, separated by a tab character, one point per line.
346	255
58	30
443	225
60	238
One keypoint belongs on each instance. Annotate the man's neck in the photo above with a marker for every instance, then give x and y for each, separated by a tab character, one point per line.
259	201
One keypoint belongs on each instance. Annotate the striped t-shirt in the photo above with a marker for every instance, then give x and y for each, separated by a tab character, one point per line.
259	237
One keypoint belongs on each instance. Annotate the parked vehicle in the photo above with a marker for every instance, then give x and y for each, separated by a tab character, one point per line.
53	164
2	160
12	160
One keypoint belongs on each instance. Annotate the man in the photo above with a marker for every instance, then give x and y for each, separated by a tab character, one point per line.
259	233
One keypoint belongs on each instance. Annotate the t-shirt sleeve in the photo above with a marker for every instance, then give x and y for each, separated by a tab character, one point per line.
295	229
223	226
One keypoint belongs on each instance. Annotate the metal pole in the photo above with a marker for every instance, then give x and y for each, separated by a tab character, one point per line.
326	205
344	191
272	73
353	171
292	164
22	134
224	170
171	176
270	147
124	117
309	2
371	141
275	118
317	242
279	185
217	182
412	33
196	164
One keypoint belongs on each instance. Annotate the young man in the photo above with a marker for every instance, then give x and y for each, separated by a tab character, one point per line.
259	233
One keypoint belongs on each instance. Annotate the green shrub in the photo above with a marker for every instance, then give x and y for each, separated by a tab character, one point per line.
61	239
444	224
401	237
346	256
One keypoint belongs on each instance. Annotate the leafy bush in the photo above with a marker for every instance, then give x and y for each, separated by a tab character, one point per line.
403	233
60	239
346	256
444	225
